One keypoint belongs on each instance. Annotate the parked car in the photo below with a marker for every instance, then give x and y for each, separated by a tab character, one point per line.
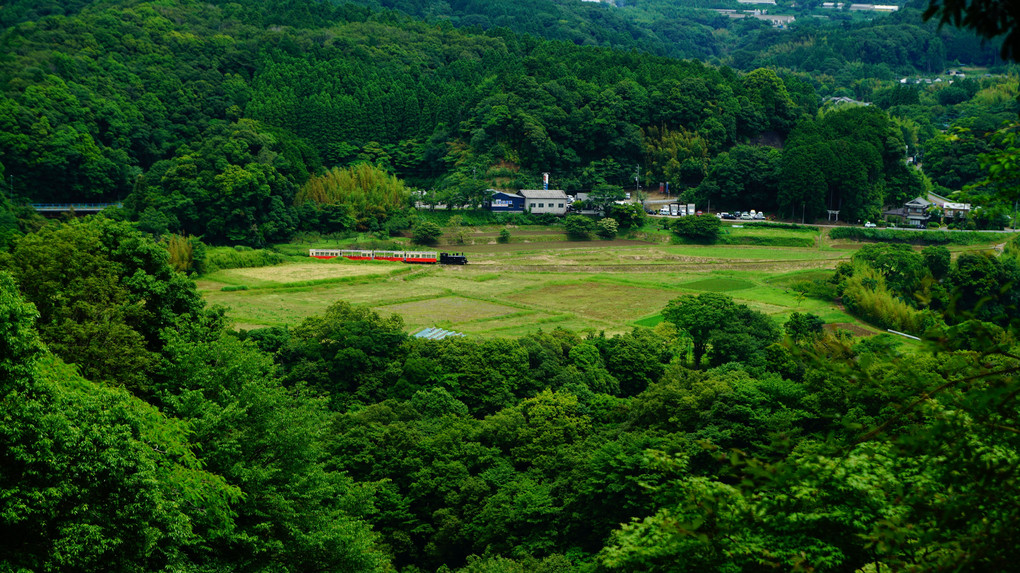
728	216
664	211
746	217
869	224
759	215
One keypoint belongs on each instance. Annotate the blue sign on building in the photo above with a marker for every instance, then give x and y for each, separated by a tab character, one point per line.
504	202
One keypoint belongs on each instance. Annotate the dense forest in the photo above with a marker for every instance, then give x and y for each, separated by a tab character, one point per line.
209	120
140	433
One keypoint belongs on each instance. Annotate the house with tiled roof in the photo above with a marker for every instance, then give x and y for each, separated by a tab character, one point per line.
913	212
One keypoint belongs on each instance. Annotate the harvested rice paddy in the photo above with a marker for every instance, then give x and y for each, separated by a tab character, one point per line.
511	289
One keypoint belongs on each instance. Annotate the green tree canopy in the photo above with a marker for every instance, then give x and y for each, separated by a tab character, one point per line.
101	285
715	323
703	228
94	479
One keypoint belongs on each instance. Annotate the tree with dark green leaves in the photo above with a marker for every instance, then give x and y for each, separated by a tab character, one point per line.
804	327
701	228
636	359
767	92
426	232
937	259
235	184
579	227
984	287
604	196
721	328
902	267
267	441
343	353
850	160
628	215
745	177
94	478
989	19
104	292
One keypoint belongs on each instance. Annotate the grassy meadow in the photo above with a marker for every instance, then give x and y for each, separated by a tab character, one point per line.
542	280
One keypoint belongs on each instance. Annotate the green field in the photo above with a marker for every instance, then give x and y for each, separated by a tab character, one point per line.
511	289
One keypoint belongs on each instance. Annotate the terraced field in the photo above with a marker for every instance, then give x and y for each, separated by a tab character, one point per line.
510	289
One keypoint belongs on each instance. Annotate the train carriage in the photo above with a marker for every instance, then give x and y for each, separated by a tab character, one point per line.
396	256
355	255
421	257
412	257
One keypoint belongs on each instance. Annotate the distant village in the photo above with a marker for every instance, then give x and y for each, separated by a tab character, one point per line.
762	12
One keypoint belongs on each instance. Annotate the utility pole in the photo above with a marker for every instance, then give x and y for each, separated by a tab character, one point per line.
803	207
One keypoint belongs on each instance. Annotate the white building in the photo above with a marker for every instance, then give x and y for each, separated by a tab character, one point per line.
545	201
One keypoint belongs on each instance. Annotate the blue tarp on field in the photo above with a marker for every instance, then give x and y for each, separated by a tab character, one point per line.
436	334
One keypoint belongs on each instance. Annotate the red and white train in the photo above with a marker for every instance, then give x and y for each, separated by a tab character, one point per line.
415	257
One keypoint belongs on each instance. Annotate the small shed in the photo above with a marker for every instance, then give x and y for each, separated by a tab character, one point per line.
545	201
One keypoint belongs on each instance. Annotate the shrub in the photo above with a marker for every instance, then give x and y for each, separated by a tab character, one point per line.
698	227
866	295
187	254
426	233
504	235
607	228
579	227
784	226
937	260
1012	247
904	236
817	289
628	216
228	258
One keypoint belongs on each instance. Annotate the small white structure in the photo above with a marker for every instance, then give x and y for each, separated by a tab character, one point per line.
950	209
552	201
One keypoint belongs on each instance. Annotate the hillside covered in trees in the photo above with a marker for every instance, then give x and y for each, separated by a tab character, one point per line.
140	433
208	120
